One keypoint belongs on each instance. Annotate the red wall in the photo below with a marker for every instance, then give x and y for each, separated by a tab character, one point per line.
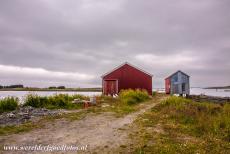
130	77
167	86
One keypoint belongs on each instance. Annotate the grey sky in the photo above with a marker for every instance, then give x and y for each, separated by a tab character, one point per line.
74	42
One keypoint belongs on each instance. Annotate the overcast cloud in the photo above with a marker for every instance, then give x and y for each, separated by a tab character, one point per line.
74	42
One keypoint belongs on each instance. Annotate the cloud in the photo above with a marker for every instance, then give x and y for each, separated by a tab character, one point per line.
42	74
166	60
91	37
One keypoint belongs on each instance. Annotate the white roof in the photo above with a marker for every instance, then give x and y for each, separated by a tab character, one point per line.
123	65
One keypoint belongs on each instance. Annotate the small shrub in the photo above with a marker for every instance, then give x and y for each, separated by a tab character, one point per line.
62	101
154	93
34	101
133	96
8	104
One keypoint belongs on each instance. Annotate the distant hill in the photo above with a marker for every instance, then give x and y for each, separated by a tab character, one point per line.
223	87
60	88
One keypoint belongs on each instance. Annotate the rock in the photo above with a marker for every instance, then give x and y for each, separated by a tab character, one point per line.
24	114
205	98
59	114
26	117
11	115
44	109
39	114
76	101
105	105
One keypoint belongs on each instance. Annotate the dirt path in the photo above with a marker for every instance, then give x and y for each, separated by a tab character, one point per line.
102	133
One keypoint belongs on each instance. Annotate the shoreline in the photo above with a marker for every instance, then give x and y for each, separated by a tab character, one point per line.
55	90
207	98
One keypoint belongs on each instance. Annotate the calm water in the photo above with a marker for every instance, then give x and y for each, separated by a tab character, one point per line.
22	94
210	92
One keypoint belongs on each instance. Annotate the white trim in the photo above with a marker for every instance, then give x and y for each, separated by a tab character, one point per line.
116	68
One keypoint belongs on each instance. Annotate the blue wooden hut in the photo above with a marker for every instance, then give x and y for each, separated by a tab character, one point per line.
177	83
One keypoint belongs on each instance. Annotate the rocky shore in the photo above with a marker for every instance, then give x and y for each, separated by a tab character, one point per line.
205	98
24	114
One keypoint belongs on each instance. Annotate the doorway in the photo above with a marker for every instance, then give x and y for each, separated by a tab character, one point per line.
110	87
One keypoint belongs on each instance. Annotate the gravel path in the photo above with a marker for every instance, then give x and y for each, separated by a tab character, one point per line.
102	133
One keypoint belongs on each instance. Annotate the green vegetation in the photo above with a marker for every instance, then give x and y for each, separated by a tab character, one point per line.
12	86
154	93
110	104
61	101
202	119
120	106
8	104
179	125
132	97
64	101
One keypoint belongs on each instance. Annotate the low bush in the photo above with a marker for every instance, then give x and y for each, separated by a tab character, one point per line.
61	101
33	100
132	97
154	93
8	104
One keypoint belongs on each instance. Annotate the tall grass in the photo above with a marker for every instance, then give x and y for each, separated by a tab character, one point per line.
199	119
61	101
8	104
132	97
179	125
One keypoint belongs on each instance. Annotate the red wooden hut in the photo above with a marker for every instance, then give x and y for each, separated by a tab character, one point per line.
126	76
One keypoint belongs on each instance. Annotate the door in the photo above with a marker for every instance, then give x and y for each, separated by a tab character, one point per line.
183	87
110	87
167	86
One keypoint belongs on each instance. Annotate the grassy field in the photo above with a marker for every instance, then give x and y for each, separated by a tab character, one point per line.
180	125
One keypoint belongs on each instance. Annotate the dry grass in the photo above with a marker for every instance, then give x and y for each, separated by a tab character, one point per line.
179	125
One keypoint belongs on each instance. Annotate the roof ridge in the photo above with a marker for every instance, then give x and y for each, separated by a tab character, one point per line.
129	65
177	72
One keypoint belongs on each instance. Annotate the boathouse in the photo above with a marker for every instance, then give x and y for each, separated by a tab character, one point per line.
177	83
126	76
